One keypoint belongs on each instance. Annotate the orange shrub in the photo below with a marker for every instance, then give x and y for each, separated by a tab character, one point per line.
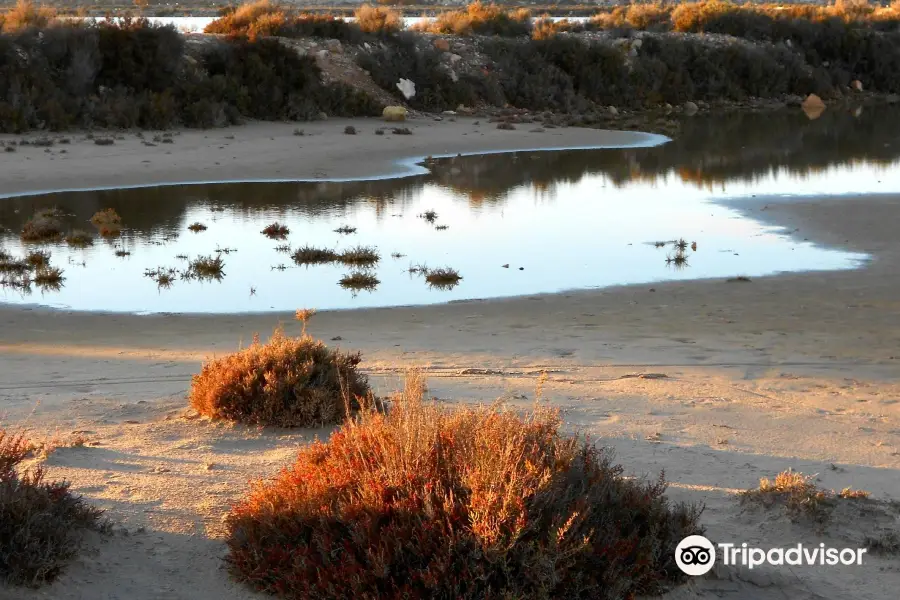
427	502
286	382
26	14
372	19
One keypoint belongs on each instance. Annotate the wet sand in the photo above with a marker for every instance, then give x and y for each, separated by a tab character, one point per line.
797	370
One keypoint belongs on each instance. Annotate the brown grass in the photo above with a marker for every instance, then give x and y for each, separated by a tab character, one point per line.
41	522
197	227
799	494
424	501
286	382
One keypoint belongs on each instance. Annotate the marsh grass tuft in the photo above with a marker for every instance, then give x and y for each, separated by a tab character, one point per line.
401	131
360	256
197	227
738	279
205	268
359	280
443	278
441	227
345	230
417	269
308	255
163	276
49	277
276	231
429	215
79	239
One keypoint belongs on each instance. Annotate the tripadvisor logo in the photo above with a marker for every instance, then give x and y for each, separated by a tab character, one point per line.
696	555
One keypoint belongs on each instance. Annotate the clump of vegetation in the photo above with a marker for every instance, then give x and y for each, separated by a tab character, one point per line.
11	265
308	255
286	382
206	267
37	259
108	222
888	542
429	215
444	278
163	276
481	19
41	522
360	256
401	131
413	499
80	239
47	276
359	280
45	226
345	230
350	130
197	227
132	73
378	19
276	231
26	14
799	494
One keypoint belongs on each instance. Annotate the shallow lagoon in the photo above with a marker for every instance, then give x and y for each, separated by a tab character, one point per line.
561	221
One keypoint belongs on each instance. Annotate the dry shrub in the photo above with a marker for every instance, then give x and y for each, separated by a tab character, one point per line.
107	216
799	494
26	14
377	19
429	502
44	226
481	19
41	522
286	382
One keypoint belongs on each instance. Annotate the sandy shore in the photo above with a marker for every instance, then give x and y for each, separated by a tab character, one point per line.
272	152
799	370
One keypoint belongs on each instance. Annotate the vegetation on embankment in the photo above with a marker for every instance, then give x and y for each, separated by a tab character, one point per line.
132	73
135	74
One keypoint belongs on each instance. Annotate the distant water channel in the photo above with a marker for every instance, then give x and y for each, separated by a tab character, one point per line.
510	224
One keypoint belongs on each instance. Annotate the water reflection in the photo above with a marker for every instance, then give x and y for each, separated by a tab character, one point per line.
508	224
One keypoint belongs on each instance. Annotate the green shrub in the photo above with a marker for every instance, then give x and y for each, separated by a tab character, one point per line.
286	382
136	74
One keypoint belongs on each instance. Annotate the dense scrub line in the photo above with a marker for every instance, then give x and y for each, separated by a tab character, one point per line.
819	50
133	73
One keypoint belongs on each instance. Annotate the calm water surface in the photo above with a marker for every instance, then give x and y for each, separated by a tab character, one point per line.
559	220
